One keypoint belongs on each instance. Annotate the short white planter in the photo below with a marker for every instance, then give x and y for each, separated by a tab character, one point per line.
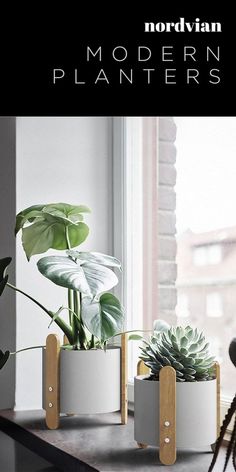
90	381
196	418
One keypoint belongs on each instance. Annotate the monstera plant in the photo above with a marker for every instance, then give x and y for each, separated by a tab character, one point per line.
94	314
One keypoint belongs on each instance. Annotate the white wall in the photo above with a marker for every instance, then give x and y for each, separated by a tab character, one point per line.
67	160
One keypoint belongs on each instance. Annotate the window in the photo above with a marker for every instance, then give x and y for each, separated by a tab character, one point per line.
206	228
214	305
182	307
144	223
135	222
207	255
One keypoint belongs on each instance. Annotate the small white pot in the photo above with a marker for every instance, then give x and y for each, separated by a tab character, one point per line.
89	381
196	407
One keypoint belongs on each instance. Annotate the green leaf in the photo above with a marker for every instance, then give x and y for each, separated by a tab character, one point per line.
184	341
56	314
189	378
160	326
4	356
134	337
4	263
193	348
27	215
37	238
190	371
90	279
184	351
177	365
96	258
65	211
43	235
68	347
77	233
104	317
57	226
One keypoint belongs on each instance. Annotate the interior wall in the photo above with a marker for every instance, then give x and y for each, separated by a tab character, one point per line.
7	248
59	159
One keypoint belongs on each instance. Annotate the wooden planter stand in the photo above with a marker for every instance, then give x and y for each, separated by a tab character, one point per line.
167	410
52	380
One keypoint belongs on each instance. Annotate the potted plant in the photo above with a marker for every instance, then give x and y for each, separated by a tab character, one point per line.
187	352
88	363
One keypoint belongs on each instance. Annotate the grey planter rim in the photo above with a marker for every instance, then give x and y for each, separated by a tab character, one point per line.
145	377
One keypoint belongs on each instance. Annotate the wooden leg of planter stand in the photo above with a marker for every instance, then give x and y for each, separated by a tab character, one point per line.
142	446
52	381
217	372
167	412
124	378
142	369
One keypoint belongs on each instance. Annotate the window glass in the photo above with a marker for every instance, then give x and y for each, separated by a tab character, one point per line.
206	233
214	305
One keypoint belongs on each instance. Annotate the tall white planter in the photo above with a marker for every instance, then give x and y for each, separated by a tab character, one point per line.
89	381
196	407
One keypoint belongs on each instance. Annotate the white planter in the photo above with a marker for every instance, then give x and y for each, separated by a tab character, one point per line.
89	381
196	407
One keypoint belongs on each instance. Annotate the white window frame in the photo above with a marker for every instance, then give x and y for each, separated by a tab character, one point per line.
129	173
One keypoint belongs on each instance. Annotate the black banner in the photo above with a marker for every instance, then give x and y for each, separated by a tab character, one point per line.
145	63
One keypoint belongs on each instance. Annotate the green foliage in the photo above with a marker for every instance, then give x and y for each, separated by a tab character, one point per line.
4	356
135	337
103	317
55	226
4	263
94	314
77	274
184	349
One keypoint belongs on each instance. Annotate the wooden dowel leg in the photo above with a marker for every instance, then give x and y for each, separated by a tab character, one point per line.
142	446
142	369
124	378
167	412
52	384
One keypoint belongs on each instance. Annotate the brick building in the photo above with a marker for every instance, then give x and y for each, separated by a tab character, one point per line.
206	287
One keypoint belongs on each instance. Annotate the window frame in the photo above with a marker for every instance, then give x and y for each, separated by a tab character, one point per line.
127	155
120	232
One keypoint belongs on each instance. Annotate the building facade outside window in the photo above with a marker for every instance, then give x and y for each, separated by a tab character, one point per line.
196	286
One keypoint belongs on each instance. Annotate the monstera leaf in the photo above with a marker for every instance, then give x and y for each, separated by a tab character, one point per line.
95	257
28	215
89	278
56	226
104	317
4	263
4	356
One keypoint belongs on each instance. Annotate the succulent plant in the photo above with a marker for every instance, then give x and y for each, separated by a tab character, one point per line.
183	348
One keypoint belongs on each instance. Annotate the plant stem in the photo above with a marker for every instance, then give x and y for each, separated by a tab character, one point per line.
64	326
92	342
79	321
75	324
26	349
67	238
70	305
